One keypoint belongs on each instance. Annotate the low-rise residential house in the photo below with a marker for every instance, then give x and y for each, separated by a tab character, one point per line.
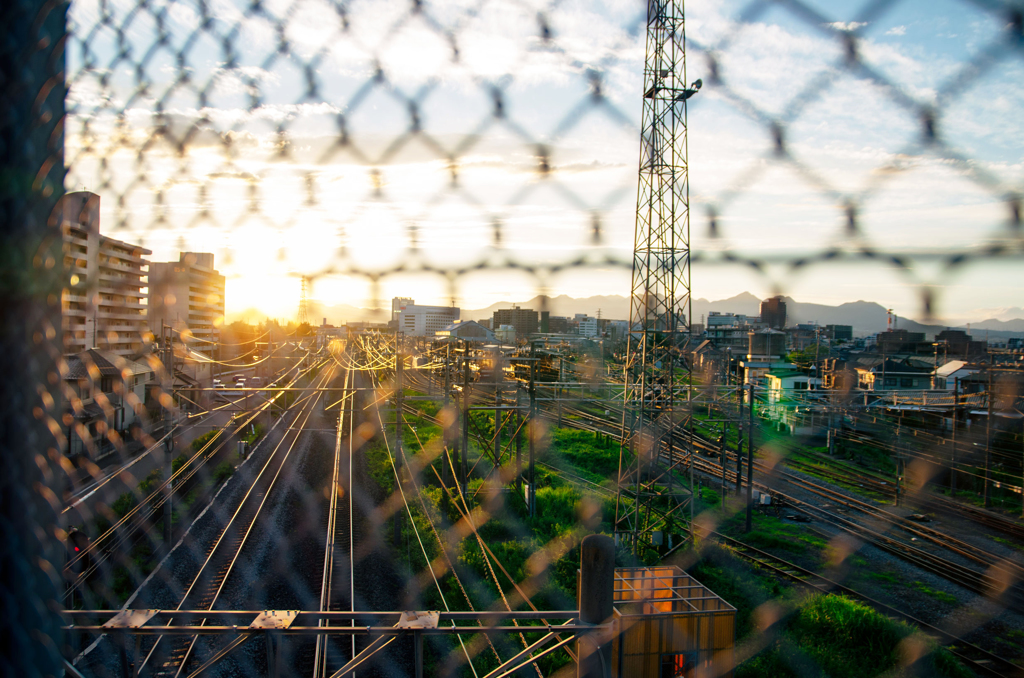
893	375
947	376
106	395
782	384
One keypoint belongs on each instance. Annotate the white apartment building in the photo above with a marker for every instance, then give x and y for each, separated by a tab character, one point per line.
104	305
425	321
188	294
399	303
587	325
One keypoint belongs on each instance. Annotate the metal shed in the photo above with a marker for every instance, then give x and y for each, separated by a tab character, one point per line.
670	626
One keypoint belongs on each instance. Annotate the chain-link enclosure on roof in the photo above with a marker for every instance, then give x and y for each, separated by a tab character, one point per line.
470	151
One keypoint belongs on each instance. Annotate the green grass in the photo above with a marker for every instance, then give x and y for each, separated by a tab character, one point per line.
940	596
771	534
834	636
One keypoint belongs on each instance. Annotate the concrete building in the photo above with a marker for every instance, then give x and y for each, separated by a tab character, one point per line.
716	319
525	320
104	305
469	330
839	333
587	326
773	313
505	334
425	321
398	304
107	393
188	295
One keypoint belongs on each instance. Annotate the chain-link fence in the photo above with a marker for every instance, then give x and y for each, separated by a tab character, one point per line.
482	151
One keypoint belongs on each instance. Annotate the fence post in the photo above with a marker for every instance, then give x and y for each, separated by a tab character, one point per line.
32	275
596	601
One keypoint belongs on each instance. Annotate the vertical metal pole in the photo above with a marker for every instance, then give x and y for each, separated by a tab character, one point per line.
596	605
956	416
418	643
739	438
750	463
168	438
517	418
447	429
397	523
497	424
724	448
988	436
532	430
464	471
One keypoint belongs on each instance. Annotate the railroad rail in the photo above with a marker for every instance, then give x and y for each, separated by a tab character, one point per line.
224	553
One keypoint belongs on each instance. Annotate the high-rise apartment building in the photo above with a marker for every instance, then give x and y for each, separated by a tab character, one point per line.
104	305
523	319
188	294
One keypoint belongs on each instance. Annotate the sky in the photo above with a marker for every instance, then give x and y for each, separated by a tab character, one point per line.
395	160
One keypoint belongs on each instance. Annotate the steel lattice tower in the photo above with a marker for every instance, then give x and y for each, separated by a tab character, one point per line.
657	396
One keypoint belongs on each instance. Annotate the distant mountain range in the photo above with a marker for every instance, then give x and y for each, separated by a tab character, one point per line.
866	317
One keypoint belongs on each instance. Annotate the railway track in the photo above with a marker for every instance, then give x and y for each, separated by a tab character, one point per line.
337	590
981	661
221	557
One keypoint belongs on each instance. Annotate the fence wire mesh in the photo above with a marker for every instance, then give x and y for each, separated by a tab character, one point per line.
370	147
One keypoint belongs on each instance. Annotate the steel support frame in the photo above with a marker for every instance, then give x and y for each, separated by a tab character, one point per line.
660	303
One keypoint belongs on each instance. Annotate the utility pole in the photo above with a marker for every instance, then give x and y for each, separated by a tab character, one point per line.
750	463
447	429
740	388
532	432
988	436
464	484
168	436
397	537
956	415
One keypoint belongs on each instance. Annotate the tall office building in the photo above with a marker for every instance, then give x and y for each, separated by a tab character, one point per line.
398	304
773	313
104	305
188	294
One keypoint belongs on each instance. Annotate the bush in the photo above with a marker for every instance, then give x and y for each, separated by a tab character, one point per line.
223	471
123	504
199	442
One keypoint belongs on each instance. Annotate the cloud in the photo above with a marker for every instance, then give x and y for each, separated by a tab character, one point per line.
848	26
897	30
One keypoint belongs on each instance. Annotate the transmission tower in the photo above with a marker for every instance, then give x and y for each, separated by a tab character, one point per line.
657	413
304	302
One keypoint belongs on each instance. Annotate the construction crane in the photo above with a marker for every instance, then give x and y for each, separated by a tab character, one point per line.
656	415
